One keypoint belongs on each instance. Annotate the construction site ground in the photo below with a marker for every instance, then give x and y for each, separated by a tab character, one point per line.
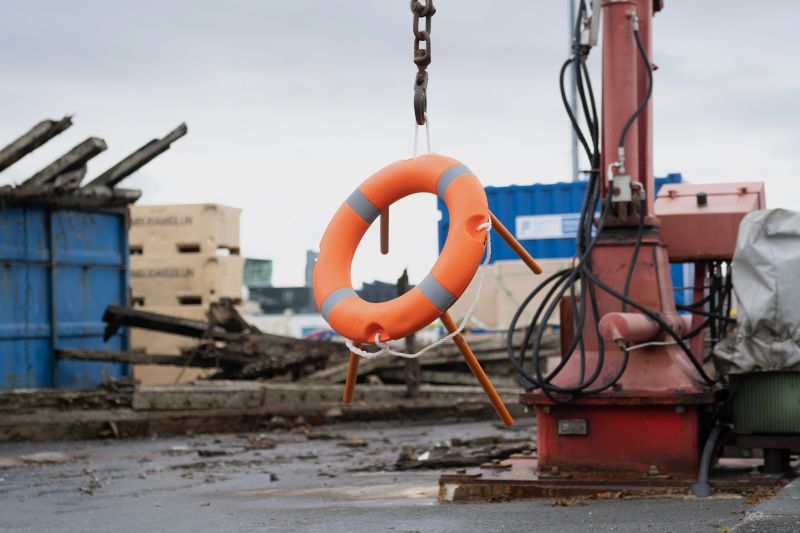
360	476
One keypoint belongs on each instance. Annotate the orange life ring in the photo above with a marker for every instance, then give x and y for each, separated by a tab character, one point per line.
359	320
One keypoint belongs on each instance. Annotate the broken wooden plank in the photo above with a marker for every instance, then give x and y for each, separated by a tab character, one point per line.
31	140
27	400
70	179
138	159
448	377
460	453
241	394
116	316
72	160
136	358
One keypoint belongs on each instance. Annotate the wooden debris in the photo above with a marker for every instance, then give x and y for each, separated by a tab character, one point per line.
74	159
31	140
238	349
219	407
138	159
58	184
461	453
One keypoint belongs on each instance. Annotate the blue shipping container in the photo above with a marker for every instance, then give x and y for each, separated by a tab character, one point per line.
60	269
544	216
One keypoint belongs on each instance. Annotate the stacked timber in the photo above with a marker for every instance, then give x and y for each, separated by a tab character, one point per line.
233	349
183	258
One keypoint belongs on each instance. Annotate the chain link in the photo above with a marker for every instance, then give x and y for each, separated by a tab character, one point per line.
427	135
422	56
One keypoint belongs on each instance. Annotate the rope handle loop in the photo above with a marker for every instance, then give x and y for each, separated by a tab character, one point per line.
386	349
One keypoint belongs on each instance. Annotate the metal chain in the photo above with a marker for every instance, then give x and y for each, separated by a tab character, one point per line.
422	56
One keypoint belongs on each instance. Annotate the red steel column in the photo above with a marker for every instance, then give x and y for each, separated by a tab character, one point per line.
620	86
645	12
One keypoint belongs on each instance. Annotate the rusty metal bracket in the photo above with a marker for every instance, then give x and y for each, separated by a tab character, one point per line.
421	97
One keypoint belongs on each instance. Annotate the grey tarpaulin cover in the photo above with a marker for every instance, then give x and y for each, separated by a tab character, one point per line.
766	281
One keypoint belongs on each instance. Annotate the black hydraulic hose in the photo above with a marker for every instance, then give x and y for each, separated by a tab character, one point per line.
714	325
697	330
728	296
647	95
662	324
587	212
584	102
572	117
518	362
623	134
714	313
540	381
721	318
702	301
701	488
634	257
595	123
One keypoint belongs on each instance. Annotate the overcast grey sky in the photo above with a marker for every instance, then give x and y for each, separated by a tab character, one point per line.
291	104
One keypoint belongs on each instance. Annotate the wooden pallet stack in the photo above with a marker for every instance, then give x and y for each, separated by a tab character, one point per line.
183	257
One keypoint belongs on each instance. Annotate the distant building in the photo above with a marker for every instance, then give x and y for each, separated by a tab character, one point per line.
311	260
378	291
276	300
257	273
292	310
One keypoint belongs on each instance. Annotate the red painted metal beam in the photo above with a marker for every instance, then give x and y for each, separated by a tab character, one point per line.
620	87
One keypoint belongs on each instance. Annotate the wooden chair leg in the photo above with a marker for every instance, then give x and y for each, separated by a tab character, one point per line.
477	371
352	376
385	231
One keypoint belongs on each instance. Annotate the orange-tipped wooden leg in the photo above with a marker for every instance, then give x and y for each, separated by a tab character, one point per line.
477	371
515	245
352	376
385	231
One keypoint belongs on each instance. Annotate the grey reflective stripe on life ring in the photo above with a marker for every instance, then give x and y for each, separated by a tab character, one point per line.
436	293
362	206
330	301
447	178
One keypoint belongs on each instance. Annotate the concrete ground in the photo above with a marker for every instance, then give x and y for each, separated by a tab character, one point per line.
326	481
780	514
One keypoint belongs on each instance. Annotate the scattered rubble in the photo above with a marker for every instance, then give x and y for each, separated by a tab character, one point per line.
460	453
260	442
41	458
93	483
355	442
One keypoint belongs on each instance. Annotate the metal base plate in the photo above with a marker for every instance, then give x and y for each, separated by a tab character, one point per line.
518	478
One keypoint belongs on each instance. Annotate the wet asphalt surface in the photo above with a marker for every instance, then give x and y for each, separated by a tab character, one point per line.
337	478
